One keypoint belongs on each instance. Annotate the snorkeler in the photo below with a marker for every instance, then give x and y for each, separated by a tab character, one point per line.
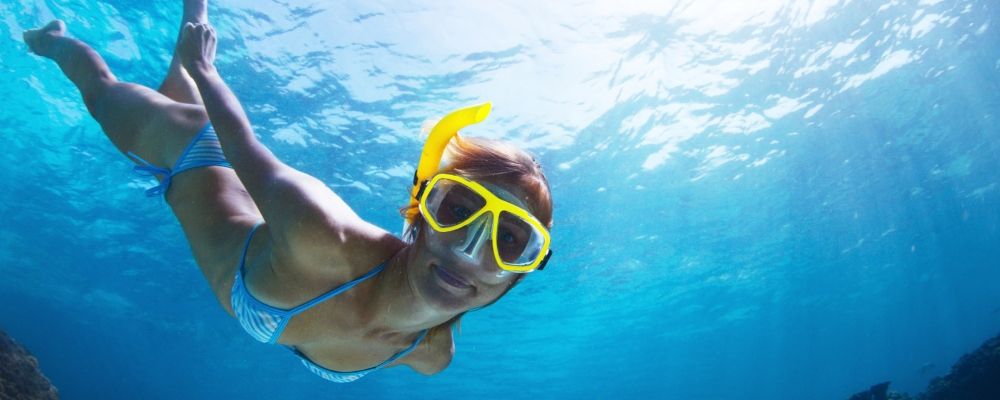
288	257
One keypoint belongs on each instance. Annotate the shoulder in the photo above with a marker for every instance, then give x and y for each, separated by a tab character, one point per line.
345	243
312	227
436	353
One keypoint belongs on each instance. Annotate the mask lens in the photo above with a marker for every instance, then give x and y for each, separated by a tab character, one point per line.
451	203
518	241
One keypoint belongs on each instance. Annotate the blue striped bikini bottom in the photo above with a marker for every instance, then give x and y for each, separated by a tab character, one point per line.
203	151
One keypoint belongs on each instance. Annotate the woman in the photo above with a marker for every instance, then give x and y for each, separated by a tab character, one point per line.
283	253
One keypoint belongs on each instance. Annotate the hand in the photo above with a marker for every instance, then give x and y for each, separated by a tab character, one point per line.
196	47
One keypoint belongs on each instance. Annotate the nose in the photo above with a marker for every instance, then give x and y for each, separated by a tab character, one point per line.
477	235
477	248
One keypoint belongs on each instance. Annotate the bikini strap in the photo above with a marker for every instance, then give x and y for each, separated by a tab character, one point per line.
148	169
246	246
338	290
405	351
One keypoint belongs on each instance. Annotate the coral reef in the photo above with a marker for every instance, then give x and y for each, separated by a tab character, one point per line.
20	377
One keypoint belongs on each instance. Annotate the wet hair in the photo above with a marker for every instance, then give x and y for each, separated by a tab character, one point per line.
497	162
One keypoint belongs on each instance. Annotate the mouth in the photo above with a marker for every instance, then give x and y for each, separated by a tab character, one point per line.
450	278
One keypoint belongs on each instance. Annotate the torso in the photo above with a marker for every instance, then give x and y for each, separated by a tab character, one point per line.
217	214
333	334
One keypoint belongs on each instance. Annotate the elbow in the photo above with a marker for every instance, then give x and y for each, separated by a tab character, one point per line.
438	364
432	372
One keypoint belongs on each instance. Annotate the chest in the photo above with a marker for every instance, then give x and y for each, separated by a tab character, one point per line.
333	332
345	350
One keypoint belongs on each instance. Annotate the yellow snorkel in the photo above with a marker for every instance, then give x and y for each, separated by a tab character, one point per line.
441	134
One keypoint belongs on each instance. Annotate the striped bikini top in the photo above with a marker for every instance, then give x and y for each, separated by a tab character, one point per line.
265	322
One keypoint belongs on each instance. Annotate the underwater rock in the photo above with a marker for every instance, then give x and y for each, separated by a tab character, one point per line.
975	376
879	392
20	377
876	392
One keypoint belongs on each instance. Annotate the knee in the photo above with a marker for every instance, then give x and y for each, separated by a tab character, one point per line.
92	98
95	94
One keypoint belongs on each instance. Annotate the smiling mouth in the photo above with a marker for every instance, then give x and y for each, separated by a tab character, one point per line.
450	278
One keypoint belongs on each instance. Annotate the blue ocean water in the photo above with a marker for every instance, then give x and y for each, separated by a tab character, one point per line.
754	200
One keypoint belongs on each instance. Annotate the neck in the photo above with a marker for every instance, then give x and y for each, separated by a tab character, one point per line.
395	305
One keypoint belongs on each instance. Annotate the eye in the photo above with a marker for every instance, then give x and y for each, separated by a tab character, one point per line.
507	237
460	212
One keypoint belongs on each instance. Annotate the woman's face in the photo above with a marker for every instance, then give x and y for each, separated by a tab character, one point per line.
456	282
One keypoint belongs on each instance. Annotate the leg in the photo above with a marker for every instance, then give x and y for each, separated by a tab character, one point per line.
178	85
211	203
127	112
81	64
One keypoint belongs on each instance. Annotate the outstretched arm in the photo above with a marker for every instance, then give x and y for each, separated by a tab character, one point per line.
254	163
307	220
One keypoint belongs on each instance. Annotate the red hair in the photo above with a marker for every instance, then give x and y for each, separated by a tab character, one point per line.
491	160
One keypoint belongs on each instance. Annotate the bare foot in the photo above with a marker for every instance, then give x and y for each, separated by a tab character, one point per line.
38	39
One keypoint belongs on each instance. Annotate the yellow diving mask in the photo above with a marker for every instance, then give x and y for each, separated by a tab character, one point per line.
449	203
